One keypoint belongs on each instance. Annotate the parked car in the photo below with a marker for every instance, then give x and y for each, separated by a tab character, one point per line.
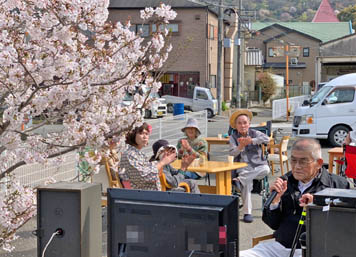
158	107
320	85
202	100
330	113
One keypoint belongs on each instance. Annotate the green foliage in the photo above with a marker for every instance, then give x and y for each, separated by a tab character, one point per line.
267	84
348	14
224	106
299	10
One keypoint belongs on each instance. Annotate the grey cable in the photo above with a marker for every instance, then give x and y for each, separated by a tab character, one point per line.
190	255
49	241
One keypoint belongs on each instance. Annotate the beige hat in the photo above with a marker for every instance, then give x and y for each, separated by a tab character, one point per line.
237	114
192	123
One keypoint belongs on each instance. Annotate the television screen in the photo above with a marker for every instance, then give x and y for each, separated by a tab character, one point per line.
153	223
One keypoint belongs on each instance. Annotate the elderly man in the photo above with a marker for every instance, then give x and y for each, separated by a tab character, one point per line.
245	145
306	178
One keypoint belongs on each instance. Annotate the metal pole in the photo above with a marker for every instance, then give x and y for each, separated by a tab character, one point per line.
238	80
220	55
287	80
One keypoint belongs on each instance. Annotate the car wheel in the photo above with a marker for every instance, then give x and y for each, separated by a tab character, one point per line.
170	108
337	135
210	113
148	114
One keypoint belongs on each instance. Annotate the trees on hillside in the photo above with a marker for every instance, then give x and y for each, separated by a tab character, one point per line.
348	14
62	61
299	10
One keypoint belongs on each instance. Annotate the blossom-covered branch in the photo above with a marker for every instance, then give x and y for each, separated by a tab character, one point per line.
63	63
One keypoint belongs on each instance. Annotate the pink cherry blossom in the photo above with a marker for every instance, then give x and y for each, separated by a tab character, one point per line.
65	65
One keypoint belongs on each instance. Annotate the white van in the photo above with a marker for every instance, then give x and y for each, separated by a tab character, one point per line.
330	113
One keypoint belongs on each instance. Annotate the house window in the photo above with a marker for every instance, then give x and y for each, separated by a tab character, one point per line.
133	28
143	29
306	52
270	52
172	27
213	81
211	32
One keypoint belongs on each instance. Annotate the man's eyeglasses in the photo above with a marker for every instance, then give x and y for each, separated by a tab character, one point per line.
303	162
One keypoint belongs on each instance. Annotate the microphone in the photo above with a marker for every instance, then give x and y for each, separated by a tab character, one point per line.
273	195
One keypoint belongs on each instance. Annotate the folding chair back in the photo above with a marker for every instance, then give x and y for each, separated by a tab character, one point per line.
350	156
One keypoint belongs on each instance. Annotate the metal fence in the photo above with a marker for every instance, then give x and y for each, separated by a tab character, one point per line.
294	90
279	107
168	128
36	174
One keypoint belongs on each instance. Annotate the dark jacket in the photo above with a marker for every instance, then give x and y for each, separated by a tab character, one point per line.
284	220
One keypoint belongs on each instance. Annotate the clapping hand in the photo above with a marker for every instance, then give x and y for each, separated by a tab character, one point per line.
186	145
244	141
187	160
169	157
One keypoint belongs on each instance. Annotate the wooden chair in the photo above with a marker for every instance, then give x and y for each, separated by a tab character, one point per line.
256	240
165	186
113	178
281	156
108	179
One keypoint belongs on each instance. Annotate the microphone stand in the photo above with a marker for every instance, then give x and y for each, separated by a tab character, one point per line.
297	233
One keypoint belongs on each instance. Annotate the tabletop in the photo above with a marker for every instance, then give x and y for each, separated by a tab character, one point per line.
211	166
337	150
217	140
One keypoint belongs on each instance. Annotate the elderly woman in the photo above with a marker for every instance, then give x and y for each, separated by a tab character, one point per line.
136	167
161	148
192	144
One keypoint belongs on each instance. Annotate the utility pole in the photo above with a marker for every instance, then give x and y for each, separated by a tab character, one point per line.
219	76
287	79
220	54
238	80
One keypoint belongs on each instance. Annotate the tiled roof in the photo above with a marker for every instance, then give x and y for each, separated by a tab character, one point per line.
323	31
325	13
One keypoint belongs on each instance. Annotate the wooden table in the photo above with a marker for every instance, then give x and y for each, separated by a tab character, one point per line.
222	171
338	153
217	141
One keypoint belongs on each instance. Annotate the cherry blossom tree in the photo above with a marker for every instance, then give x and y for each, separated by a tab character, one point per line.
62	61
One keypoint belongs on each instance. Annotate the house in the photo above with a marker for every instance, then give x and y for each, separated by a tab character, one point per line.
193	60
337	57
303	40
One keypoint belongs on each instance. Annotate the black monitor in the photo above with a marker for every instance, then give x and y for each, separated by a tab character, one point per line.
162	224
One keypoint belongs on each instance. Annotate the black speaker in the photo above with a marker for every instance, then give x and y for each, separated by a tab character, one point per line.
75	210
331	233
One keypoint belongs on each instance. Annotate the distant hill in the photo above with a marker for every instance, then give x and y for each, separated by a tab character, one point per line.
287	10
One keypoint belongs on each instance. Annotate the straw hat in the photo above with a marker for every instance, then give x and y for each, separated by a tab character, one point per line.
237	114
192	123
